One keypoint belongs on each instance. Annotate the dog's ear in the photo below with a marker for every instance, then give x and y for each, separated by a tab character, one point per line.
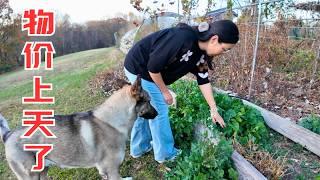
136	88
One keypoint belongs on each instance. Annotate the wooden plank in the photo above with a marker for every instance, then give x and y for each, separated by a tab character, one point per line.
245	169
296	133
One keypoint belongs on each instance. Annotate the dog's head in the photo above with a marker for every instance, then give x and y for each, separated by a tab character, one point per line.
143	107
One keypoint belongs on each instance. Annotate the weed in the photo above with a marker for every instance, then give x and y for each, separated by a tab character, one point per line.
311	122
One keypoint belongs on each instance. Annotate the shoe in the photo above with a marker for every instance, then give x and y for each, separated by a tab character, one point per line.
137	156
172	158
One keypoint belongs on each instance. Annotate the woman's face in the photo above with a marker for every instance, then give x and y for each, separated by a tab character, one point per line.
215	48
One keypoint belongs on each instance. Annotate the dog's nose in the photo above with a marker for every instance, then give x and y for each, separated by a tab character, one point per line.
155	114
151	114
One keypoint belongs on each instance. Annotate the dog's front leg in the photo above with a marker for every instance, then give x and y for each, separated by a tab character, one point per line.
112	175
103	172
44	174
109	172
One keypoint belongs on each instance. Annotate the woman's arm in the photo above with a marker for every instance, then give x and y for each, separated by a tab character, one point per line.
207	92
157	78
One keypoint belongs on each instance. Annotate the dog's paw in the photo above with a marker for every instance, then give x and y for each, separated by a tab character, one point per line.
104	177
127	178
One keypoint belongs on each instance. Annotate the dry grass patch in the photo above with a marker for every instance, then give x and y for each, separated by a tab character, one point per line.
266	163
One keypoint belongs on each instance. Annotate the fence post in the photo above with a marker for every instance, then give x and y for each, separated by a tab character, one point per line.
255	50
315	67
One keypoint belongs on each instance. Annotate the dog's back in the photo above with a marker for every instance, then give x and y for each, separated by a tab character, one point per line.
82	139
94	138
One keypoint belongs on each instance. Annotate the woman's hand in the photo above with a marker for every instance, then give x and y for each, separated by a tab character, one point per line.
206	90
157	78
168	97
217	118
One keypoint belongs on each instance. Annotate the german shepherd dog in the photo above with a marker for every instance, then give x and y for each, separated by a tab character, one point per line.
95	138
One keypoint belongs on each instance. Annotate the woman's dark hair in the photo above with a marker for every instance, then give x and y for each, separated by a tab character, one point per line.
226	30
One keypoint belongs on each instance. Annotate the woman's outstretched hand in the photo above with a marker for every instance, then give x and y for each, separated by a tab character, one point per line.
217	118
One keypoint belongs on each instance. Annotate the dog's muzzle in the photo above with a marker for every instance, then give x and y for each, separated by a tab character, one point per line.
151	114
146	110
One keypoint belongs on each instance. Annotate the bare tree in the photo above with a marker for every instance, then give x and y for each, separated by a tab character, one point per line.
10	37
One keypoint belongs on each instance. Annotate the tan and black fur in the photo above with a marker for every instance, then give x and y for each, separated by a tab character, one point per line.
95	138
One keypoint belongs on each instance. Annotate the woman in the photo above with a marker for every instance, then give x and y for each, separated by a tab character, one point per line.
162	58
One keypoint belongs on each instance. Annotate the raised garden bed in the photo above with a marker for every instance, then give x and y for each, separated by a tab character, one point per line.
274	157
246	131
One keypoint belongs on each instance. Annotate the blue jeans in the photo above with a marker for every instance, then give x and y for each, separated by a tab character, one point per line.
157	130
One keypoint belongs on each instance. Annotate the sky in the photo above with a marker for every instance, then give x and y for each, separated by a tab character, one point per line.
85	10
81	11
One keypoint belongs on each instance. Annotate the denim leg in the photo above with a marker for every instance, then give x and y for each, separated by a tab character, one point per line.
159	128
162	138
140	134
140	137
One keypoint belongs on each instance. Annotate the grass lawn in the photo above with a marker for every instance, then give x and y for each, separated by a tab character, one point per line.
70	88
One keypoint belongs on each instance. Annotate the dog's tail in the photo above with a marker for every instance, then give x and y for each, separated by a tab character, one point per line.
4	129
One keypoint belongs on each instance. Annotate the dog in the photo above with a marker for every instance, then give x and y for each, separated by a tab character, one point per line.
95	138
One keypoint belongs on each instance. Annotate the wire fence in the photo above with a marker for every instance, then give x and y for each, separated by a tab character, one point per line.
298	31
275	60
285	36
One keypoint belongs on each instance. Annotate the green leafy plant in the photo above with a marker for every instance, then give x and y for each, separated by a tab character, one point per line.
202	160
243	123
191	109
205	161
311	122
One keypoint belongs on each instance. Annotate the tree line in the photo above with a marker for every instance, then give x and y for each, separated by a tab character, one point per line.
68	38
